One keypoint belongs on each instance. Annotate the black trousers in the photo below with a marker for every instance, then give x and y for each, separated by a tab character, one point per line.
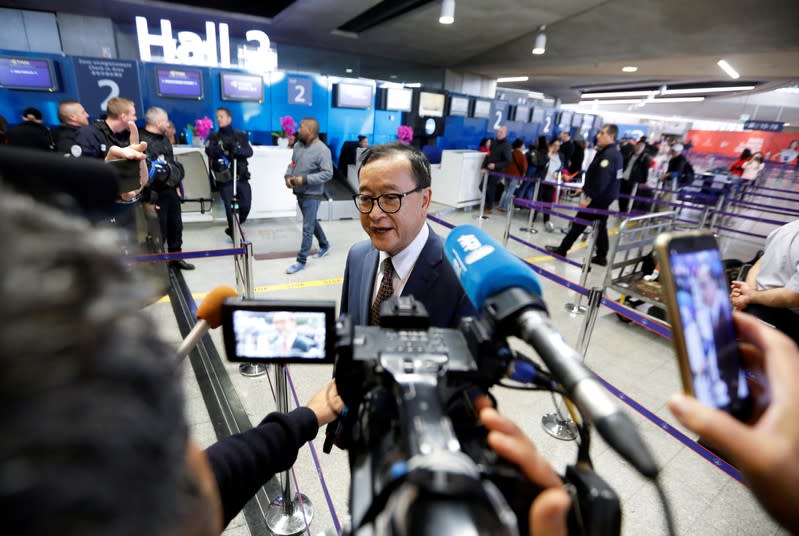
243	192
600	224
783	319
170	219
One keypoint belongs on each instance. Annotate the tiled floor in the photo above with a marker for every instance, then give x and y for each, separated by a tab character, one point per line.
704	499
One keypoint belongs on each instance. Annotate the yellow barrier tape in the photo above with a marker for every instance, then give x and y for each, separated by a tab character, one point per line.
199	296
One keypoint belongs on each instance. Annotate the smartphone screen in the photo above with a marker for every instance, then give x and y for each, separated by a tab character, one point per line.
701	299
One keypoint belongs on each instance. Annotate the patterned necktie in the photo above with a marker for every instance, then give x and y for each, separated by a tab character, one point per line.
385	291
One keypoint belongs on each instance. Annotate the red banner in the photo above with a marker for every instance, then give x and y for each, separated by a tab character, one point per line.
775	146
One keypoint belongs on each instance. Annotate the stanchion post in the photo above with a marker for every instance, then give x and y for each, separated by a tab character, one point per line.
482	216
584	337
287	514
243	265
506	234
631	199
577	308
555	424
529	228
718	208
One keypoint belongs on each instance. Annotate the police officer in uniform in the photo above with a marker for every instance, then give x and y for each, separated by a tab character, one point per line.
95	139
165	175
600	190
225	146
72	116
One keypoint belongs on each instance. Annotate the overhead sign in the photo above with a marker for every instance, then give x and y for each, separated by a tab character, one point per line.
769	126
300	90
99	80
192	49
499	113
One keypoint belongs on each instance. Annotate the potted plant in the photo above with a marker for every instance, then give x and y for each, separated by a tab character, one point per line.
404	134
288	128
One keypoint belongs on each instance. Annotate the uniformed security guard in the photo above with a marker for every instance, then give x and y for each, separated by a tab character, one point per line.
224	146
72	116
94	140
166	175
600	190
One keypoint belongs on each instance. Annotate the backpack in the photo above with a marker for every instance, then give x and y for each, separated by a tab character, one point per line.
687	176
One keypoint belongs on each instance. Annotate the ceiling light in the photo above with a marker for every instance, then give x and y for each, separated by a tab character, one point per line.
535	95
629	69
447	12
513	79
788	90
727	68
414	84
614	94
540	45
348	70
686	91
648	101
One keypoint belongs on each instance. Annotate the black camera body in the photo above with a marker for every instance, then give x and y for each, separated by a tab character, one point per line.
419	458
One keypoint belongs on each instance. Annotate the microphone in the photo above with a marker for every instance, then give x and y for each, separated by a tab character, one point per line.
209	316
508	292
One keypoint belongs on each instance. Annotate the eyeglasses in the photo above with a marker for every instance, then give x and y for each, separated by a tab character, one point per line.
388	203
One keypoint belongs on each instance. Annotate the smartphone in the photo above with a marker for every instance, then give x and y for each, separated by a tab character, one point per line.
273	331
696	293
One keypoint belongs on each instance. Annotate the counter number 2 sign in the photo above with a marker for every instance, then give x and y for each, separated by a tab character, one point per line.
499	111
300	90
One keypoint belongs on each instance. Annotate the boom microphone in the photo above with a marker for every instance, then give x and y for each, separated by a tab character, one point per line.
507	291
209	316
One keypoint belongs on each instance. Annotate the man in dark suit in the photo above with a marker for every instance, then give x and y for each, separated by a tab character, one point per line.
394	197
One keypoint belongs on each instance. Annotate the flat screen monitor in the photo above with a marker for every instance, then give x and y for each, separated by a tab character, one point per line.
565	120
178	83
431	104
577	120
459	105
347	95
242	87
522	113
32	74
537	116
398	99
482	109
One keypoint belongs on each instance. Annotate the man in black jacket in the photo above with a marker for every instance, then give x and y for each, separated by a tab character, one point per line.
72	116
166	174
95	139
225	146
601	189
497	160
31	132
636	171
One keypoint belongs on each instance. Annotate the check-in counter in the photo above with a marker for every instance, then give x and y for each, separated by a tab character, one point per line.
270	197
456	180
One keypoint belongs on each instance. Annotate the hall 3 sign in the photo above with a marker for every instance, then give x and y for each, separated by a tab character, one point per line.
192	49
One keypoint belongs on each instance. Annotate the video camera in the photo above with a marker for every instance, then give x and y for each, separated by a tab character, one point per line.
419	459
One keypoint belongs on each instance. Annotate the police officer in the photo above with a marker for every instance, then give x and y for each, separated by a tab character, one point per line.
600	190
31	132
166	175
72	116
95	139
225	146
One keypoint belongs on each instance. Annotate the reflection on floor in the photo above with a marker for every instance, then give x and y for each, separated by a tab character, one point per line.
704	499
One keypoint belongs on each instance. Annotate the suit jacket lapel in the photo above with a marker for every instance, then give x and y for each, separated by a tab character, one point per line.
425	272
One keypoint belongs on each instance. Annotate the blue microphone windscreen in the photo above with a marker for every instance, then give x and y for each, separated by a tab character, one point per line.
484	267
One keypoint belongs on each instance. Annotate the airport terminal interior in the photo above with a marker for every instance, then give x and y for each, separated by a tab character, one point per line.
705	79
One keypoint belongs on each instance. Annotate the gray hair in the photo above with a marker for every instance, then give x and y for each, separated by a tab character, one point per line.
153	114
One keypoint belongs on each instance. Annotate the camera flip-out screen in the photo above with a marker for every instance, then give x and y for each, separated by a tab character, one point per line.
267	331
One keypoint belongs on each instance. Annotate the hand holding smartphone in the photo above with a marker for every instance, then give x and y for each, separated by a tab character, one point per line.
700	313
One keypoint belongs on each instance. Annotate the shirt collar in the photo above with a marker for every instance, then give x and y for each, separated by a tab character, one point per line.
404	261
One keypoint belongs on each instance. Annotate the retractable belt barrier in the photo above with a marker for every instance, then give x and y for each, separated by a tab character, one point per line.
177	255
647	323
